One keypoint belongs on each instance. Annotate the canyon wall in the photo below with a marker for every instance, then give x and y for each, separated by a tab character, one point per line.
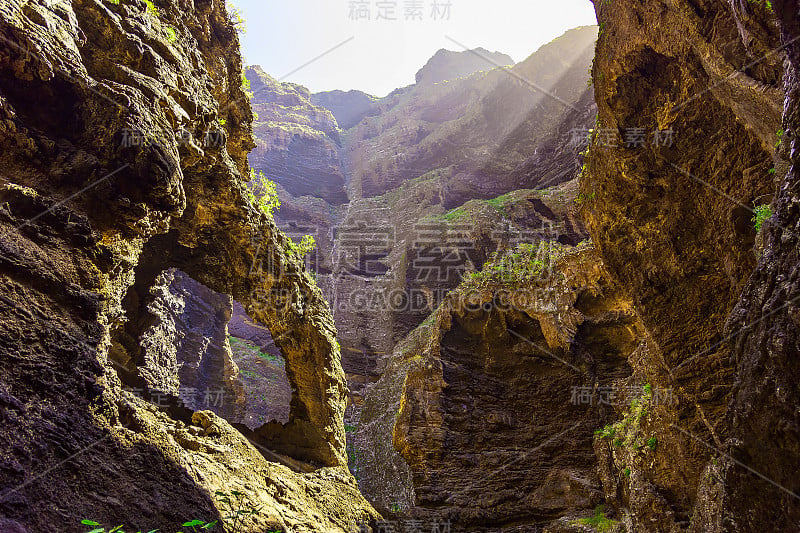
672	216
124	132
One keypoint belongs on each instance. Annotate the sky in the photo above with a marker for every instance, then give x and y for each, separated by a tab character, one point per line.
330	44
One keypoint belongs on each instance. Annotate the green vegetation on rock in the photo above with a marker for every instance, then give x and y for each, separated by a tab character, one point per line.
760	215
263	193
599	521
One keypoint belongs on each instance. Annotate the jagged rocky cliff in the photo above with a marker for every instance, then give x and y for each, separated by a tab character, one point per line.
486	412
440	176
124	132
672	220
514	367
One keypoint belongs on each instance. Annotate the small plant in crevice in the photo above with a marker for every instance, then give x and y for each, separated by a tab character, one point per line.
246	86
152	10
760	215
237	508
353	460
765	3
196	525
585	198
306	245
528	262
625	433
235	16
598	521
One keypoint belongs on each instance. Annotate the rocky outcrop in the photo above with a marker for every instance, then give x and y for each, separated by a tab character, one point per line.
491	404
347	107
398	250
124	132
371	260
447	65
296	141
689	102
400	254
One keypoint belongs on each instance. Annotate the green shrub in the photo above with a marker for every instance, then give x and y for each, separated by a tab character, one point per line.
235	16
263	193
599	521
306	245
760	215
196	525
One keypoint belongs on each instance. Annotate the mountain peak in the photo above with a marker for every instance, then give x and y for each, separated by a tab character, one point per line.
450	65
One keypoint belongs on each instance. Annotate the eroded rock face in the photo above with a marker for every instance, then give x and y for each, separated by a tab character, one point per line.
481	400
186	350
347	107
403	243
89	220
371	259
399	255
672	221
763	331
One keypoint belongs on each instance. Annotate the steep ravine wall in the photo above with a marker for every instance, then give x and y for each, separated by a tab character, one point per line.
671	217
763	332
89	220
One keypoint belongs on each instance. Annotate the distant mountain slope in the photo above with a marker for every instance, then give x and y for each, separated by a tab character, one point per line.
296	141
487	129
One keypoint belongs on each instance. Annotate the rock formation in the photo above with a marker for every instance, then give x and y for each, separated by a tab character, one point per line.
409	234
493	401
296	141
671	217
349	108
186	352
524	351
124	134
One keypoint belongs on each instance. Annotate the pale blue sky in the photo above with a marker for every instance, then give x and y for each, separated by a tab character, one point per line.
386	54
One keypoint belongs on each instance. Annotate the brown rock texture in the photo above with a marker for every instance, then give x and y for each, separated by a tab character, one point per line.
763	334
297	142
672	222
480	399
89	221
400	254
